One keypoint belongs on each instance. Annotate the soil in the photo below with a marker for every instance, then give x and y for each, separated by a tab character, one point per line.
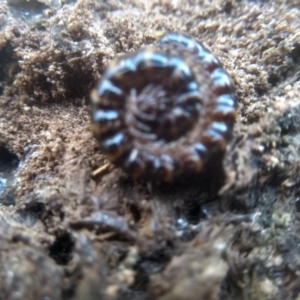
231	233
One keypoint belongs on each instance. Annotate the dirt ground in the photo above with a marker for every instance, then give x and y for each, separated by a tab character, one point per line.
67	235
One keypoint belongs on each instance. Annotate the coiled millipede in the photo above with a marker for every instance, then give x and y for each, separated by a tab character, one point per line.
164	111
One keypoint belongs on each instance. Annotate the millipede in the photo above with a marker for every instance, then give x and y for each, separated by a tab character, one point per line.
164	111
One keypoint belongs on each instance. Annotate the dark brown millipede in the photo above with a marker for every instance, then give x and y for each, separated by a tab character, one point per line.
164	111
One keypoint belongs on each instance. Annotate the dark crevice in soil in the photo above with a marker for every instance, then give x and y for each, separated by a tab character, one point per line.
8	159
8	165
61	249
295	53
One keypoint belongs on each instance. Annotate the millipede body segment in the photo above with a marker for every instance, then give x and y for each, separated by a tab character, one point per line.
164	111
